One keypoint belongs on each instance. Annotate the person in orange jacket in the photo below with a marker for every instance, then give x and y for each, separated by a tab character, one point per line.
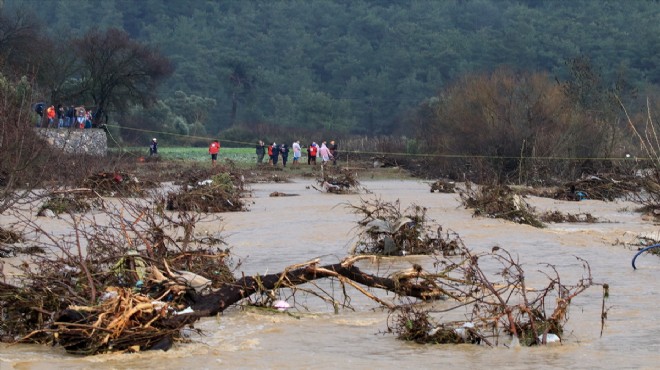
50	113
270	154
214	148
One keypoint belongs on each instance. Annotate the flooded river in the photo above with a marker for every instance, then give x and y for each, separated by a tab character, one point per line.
281	231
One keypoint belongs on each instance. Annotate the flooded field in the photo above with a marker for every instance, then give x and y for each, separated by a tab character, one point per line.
281	231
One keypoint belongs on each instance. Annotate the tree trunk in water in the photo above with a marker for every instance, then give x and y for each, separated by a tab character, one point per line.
216	302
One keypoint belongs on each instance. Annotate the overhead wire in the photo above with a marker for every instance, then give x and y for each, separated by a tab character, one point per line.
429	155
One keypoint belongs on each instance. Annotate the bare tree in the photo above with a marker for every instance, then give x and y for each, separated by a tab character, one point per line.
20	42
22	153
117	71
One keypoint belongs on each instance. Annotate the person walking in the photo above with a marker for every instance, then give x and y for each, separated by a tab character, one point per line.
296	153
261	151
214	148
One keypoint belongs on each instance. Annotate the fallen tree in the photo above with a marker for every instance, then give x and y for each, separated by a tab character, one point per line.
147	274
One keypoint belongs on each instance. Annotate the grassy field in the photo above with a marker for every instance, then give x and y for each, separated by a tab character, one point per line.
238	155
246	158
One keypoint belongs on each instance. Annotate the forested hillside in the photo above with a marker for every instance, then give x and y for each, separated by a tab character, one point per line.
353	66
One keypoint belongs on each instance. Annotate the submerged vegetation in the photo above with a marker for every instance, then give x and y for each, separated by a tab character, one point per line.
504	309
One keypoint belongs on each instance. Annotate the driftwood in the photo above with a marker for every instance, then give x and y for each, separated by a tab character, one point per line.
125	321
216	302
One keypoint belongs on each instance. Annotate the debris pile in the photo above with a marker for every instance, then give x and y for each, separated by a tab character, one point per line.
338	181
499	201
599	188
125	293
503	308
115	184
9	240
386	230
443	186
123	321
220	193
74	202
558	217
412	323
10	236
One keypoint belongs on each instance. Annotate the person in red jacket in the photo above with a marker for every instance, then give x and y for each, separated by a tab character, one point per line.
214	148
270	154
311	153
50	113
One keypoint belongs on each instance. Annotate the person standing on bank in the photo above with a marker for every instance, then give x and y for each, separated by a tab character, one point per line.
333	151
214	148
324	153
296	153
284	149
276	154
311	153
153	148
261	151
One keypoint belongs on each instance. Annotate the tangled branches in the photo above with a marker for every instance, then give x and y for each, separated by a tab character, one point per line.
493	286
386	230
499	202
220	192
60	295
338	181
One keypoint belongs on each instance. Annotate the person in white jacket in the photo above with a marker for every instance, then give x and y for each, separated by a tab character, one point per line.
324	153
296	153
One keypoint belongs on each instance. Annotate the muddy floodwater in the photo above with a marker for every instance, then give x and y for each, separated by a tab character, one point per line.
281	231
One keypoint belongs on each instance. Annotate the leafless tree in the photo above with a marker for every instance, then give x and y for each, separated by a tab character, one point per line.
117	71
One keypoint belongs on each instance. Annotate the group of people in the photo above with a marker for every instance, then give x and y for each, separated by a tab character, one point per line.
325	153
63	117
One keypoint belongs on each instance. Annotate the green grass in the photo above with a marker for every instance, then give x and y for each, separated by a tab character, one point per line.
238	155
247	158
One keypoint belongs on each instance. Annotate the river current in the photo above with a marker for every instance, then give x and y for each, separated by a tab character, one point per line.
281	231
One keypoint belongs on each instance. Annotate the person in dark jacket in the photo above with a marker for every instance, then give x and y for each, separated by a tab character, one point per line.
153	148
333	151
276	153
70	116
261	151
284	149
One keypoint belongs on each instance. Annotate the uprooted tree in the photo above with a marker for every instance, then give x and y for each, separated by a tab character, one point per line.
124	286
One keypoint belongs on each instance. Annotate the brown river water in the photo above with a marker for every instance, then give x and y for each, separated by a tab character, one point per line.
281	231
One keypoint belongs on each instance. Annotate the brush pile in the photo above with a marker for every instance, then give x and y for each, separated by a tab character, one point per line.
337	181
600	188
499	201
74	202
443	186
7	240
209	193
558	217
504	309
114	184
125	293
386	230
